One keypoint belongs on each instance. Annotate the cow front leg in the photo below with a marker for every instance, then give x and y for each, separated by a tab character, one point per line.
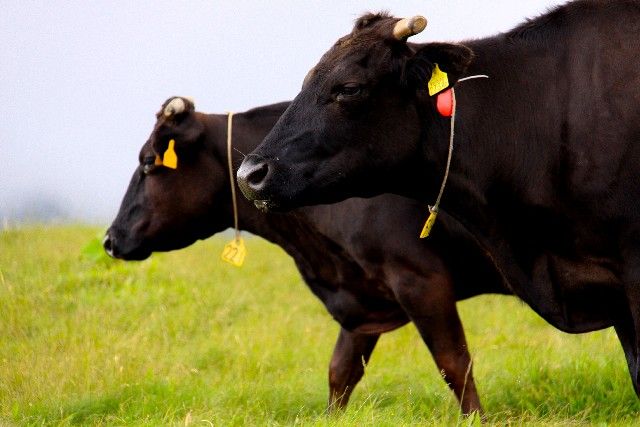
627	336
350	355
628	325
431	305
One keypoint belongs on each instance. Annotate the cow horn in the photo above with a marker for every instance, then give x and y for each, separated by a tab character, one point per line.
408	27
175	106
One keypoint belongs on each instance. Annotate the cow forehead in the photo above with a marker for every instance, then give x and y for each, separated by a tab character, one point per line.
353	57
350	51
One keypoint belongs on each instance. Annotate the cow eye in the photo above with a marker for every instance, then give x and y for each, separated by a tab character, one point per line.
347	91
148	164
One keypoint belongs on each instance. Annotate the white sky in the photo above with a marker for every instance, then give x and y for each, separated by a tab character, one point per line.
80	81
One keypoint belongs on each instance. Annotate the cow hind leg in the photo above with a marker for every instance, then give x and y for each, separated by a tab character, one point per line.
350	355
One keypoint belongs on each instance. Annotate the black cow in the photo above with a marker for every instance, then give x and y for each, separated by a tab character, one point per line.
362	258
546	161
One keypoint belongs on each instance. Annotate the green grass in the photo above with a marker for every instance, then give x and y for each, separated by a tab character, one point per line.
184	339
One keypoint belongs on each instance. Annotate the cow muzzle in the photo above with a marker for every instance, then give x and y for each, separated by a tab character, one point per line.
108	245
116	248
253	177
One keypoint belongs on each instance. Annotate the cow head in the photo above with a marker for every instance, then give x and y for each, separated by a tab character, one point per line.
356	122
166	208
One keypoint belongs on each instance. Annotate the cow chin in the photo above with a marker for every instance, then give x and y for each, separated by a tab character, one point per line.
276	203
268	206
308	195
142	252
139	255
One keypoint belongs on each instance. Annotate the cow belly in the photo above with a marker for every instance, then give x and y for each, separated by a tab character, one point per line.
583	295
363	313
377	323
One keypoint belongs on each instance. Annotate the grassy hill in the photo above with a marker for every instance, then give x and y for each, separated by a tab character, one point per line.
183	339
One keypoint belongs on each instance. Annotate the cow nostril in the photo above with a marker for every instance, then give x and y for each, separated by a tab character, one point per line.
253	175
257	174
107	244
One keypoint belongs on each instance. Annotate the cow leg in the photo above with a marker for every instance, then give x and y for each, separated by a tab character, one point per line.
431	305
351	353
627	327
627	336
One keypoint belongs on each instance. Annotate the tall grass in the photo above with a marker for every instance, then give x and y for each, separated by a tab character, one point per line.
182	339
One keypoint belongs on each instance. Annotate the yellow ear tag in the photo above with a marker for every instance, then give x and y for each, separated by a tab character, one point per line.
170	159
439	81
234	252
158	161
428	224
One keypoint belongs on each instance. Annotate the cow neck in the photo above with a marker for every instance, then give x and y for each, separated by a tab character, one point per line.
226	152
248	130
496	150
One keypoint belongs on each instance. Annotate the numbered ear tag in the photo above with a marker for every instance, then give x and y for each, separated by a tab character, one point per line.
170	158
428	224
438	82
234	252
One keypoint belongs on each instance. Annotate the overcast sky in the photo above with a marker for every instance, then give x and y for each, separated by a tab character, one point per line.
80	81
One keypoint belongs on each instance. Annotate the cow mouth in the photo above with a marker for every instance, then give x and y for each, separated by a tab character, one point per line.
266	205
116	252
138	255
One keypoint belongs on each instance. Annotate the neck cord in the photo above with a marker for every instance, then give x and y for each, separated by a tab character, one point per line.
433	210
231	175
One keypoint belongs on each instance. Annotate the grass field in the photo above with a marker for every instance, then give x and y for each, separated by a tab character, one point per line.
183	339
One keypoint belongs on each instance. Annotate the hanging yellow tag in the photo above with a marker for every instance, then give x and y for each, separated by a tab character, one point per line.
158	161
428	224
170	158
439	81
234	252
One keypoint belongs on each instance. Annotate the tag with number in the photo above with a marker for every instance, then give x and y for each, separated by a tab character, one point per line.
439	81
428	224
234	252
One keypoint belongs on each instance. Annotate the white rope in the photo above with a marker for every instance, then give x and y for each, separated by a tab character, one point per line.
477	76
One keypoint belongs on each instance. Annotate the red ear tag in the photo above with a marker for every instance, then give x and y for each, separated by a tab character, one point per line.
444	103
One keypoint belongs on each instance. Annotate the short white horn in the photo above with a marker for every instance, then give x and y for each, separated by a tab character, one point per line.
175	106
408	27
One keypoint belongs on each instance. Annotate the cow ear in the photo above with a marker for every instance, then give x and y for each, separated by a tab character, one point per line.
187	128
452	59
184	128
